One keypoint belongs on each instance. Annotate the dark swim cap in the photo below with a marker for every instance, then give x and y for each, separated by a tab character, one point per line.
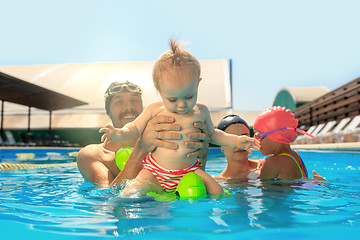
118	87
230	120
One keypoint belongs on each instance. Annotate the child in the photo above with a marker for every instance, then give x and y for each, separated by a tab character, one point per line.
176	76
275	128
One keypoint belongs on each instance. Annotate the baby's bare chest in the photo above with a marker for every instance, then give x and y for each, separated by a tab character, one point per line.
186	121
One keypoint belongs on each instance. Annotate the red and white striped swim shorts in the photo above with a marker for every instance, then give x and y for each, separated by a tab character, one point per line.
169	179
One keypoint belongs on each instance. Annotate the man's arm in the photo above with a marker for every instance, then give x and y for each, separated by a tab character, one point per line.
133	164
90	162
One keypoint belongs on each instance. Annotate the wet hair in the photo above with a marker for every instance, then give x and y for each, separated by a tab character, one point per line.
118	87
230	120
175	58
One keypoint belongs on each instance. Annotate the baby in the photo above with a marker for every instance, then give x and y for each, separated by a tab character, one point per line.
176	76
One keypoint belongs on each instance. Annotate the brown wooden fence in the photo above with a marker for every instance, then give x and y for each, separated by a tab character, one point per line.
335	105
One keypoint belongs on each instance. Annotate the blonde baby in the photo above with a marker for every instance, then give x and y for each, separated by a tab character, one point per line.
176	76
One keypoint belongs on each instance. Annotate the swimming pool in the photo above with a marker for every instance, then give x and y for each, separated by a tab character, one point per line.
55	202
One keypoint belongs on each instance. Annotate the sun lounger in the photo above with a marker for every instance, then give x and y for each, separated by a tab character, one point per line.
64	143
351	132
327	128
32	139
307	139
56	141
11	140
300	139
26	140
2	142
330	137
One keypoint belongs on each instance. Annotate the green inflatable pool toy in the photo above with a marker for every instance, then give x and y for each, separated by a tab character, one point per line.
122	155
190	186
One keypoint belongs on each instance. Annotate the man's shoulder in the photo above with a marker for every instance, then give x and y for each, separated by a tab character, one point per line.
91	150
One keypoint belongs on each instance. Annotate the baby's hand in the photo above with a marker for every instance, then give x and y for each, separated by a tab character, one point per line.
246	143
111	134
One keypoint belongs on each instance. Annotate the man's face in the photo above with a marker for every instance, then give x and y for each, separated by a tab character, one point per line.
124	108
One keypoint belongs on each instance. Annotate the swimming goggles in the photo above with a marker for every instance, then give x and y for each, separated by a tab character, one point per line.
261	135
127	86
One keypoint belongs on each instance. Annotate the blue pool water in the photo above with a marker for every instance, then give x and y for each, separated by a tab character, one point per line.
56	203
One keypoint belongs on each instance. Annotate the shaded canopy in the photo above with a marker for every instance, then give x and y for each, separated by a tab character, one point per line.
24	93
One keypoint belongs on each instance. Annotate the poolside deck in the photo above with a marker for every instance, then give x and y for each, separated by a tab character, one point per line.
349	146
336	105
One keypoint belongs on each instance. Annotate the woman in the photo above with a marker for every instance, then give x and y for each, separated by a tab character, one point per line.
239	166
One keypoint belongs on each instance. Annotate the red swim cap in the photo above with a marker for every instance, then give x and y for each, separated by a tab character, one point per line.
275	118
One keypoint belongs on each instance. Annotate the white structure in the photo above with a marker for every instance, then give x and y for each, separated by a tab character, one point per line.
89	81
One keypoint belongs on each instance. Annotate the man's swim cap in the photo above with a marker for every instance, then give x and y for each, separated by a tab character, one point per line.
118	87
230	120
275	118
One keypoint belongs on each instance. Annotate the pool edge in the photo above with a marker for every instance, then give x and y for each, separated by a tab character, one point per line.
351	146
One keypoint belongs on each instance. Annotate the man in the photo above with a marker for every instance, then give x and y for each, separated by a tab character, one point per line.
123	103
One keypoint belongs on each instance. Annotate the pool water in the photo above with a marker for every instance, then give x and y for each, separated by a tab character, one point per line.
55	202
